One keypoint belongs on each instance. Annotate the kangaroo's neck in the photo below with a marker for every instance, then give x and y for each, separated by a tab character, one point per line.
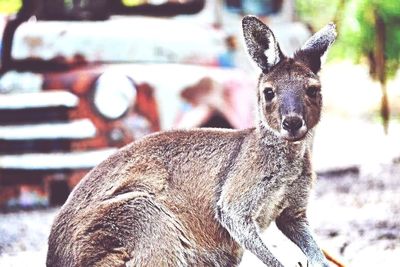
270	139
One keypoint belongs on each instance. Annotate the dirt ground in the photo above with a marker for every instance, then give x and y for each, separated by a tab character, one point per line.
356	217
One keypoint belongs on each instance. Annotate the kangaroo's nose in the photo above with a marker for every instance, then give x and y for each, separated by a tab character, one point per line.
292	123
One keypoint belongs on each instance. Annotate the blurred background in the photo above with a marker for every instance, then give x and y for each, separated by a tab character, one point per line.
81	78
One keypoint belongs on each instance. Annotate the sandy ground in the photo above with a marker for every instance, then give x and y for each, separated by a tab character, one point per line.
357	217
23	237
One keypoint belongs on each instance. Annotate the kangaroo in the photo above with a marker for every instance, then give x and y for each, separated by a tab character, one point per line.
200	197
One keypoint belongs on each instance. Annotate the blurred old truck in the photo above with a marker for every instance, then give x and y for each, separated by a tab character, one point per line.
81	78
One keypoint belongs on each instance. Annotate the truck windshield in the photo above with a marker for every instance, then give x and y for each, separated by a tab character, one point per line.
254	7
102	9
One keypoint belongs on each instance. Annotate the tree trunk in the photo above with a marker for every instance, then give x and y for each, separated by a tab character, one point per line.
380	70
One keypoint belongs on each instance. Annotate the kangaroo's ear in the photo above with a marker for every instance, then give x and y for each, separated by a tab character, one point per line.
312	51
261	43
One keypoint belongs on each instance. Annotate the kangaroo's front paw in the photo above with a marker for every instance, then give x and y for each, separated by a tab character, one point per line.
299	264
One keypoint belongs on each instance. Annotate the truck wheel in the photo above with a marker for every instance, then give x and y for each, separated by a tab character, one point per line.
59	192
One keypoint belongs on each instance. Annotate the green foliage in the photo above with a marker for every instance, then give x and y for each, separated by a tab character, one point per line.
9	6
356	20
366	13
317	13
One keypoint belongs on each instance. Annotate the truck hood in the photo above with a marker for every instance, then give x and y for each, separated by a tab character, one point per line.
122	39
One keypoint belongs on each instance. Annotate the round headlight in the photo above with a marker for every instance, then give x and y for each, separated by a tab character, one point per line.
113	95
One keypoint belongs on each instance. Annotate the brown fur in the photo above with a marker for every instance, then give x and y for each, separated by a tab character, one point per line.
199	197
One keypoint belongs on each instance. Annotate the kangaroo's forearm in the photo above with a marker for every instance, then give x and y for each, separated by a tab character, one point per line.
244	231
298	231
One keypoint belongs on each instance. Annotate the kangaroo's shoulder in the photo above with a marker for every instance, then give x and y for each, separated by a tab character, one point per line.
195	134
188	140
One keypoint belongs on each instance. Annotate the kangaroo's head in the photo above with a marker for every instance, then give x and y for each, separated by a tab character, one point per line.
289	90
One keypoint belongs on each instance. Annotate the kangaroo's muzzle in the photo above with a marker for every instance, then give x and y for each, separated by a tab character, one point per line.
293	128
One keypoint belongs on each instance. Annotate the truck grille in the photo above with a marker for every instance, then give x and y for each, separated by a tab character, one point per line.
35	133
37	136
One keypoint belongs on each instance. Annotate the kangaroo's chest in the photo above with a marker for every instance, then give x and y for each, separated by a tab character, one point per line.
278	187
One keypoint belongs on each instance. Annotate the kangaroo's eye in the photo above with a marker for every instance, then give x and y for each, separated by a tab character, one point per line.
269	93
312	91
